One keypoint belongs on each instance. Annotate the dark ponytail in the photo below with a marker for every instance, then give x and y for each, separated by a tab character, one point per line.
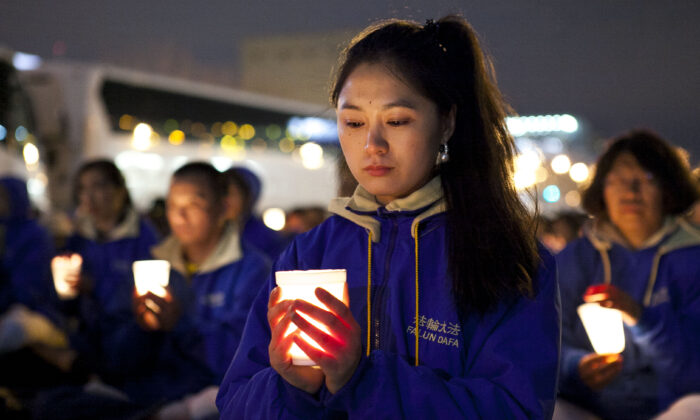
492	249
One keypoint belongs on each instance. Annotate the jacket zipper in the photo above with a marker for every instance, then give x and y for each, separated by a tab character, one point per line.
381	288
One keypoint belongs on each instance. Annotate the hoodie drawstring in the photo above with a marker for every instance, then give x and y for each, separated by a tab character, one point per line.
369	291
415	237
369	287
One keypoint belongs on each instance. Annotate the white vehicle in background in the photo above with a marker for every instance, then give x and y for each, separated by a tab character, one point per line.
20	154
151	124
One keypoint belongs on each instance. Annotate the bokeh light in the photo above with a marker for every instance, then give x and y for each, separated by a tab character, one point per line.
274	218
579	172
176	137
573	198
551	194
311	156
141	139
31	154
561	164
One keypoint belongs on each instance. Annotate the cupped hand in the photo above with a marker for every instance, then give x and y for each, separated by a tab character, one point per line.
279	316
598	370
609	296
342	345
156	313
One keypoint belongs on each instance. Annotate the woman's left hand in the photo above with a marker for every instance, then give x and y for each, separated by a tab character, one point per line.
342	347
612	297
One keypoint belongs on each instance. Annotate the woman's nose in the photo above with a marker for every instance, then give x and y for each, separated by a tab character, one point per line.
375	143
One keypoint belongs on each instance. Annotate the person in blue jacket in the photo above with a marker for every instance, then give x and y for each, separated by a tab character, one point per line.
243	193
178	347
30	323
109	236
453	307
25	252
643	258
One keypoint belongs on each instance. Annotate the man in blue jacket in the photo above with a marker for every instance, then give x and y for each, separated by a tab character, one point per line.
180	345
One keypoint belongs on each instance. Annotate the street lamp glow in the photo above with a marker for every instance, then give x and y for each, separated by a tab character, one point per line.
579	172
561	164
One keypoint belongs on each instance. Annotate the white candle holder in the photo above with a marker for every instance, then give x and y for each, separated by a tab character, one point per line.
302	284
64	267
604	328
151	276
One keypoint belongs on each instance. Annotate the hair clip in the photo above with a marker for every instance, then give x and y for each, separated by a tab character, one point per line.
431	28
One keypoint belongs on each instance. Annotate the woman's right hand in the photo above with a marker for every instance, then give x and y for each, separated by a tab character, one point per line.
598	370
279	316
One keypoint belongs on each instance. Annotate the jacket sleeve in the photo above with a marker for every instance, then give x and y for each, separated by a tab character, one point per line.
511	374
669	330
222	334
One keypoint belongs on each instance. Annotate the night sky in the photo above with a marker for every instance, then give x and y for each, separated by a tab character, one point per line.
617	64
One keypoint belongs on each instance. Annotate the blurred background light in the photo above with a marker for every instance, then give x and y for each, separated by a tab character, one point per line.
561	164
31	154
551	194
141	139
274	218
579	172
24	61
311	156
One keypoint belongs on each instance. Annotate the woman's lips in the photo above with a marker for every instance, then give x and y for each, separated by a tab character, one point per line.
377	170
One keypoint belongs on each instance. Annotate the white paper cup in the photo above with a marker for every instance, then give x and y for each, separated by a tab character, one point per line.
151	276
62	268
604	328
302	284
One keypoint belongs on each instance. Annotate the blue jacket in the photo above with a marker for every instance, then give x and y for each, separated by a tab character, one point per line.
107	264
263	238
214	300
503	365
662	352
26	249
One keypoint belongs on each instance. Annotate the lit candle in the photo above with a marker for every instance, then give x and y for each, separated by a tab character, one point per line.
301	284
604	328
66	270
151	276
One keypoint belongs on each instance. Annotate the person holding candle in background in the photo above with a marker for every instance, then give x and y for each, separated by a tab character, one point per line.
182	342
109	236
640	256
30	323
453	308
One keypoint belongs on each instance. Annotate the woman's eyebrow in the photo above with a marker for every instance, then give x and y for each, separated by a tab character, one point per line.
400	103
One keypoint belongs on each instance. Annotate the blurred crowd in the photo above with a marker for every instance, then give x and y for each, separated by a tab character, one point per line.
78	341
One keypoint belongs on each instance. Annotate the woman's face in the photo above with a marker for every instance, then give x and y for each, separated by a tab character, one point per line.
97	197
389	133
633	198
192	212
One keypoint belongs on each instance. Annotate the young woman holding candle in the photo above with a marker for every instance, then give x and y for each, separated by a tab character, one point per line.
453	309
109	236
640	256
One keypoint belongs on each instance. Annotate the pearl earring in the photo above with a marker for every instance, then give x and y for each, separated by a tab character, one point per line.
444	155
